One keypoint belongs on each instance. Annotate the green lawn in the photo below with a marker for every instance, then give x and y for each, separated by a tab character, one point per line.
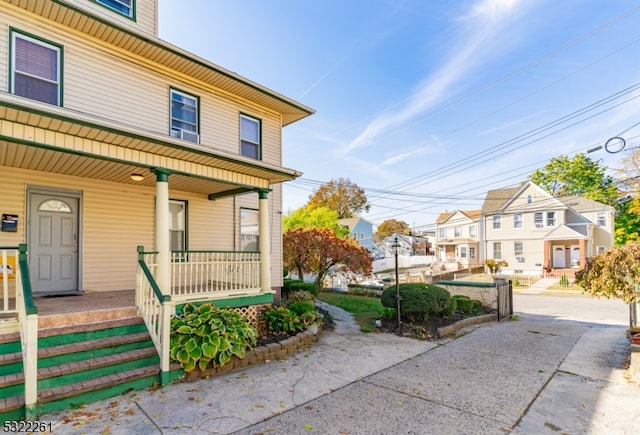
364	309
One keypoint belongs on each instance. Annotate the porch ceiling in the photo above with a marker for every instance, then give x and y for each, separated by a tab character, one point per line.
150	47
47	160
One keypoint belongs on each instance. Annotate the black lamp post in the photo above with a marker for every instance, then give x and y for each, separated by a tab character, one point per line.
396	247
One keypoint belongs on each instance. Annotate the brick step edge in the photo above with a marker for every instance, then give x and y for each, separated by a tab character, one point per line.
87	327
9	404
79	346
70	390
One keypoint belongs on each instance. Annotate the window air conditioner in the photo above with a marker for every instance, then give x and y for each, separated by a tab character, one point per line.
519	258
538	225
186	135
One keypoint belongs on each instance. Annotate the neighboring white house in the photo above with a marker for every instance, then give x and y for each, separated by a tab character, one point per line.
533	231
458	239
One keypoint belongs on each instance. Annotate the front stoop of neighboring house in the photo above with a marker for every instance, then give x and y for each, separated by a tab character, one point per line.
80	363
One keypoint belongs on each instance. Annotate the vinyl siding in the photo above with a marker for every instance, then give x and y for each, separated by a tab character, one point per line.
105	82
116	218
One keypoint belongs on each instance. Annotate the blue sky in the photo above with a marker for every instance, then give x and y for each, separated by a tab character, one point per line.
428	104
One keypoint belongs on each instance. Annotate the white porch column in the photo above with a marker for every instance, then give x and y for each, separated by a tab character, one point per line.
163	272
263	241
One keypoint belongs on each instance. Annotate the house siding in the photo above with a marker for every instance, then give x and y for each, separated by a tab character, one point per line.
145	14
111	84
112	228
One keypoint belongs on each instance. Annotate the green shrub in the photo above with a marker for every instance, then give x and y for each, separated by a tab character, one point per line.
460	297
417	301
477	305
286	286
206	334
281	320
310	287
301	307
452	308
299	296
465	305
564	281
387	313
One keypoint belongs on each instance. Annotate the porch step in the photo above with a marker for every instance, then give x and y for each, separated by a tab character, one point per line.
79	363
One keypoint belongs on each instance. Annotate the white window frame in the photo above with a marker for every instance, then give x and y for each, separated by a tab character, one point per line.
32	77
183	128
538	219
472	252
518	249
247	142
518	220
497	250
600	249
497	222
550	219
473	233
462	252
457	232
124	7
602	219
442	233
177	225
249	229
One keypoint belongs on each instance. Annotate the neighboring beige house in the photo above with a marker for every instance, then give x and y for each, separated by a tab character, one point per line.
458	238
533	231
113	139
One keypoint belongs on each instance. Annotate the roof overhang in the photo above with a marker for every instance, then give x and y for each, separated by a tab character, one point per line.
47	138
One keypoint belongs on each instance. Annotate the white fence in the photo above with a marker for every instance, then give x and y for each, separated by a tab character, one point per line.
404	261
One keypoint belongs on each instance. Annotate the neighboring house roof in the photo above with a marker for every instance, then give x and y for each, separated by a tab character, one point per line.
583	205
352	222
496	198
471	214
564	232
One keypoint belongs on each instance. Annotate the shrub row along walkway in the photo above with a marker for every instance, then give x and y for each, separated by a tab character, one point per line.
534	375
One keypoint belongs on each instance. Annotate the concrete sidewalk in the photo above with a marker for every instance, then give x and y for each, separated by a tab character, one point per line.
538	374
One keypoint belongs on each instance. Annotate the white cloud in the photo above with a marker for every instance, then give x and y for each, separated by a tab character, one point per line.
476	43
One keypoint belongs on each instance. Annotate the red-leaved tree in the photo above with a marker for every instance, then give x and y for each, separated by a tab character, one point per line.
318	250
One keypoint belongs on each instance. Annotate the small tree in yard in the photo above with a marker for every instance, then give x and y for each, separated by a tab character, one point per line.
614	274
318	250
495	266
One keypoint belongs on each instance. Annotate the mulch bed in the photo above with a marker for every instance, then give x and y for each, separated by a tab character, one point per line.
425	329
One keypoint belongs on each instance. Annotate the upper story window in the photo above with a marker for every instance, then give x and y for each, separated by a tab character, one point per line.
441	233
529	199
250	137
551	218
517	220
125	7
497	222
36	69
602	219
184	116
472	231
457	232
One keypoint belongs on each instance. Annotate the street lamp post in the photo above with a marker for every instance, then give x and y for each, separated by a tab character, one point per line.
396	247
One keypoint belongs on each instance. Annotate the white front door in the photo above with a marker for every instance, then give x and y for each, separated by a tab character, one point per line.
575	256
559	258
53	242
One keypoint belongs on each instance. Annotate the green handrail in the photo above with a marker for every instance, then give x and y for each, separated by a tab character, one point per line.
30	306
156	290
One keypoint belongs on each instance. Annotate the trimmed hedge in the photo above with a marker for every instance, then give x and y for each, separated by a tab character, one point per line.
310	287
417	300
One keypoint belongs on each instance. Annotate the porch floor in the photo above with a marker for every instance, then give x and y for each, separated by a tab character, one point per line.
88	307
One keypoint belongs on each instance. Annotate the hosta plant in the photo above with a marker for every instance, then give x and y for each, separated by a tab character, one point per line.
281	320
205	335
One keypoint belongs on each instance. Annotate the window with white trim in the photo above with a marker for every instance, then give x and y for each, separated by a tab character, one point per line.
601	249
249	230
602	219
551	219
441	233
517	220
457	232
472	252
177	225
125	7
184	116
529	199
462	252
472	231
250	137
497	222
538	219
518	250
497	250
36	69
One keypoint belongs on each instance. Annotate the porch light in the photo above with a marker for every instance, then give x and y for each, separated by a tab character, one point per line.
137	177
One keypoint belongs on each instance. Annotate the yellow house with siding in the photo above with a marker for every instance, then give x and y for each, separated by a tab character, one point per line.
118	148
